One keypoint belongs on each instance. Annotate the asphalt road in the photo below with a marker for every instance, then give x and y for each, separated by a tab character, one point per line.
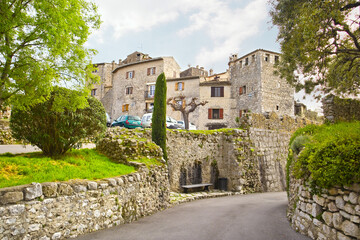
18	148
244	217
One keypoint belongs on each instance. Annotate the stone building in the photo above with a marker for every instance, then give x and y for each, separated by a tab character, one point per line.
256	88
248	85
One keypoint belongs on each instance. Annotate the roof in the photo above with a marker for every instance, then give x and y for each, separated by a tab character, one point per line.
257	50
183	78
215	83
135	63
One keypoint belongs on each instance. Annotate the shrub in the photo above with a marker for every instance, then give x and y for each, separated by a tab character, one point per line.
331	157
159	114
56	130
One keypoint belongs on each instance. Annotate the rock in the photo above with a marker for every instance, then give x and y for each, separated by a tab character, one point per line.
349	208
92	185
11	197
333	191
350	229
65	189
353	198
34	227
316	210
340	203
319	200
328	218
112	182
56	236
337	220
355	219
332	207
49	189
16	209
34	191
345	214
79	188
341	236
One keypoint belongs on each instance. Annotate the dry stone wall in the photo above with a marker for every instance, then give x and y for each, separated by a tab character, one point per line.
340	109
335	214
61	210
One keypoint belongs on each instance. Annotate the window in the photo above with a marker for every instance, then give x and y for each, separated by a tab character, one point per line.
129	90
242	113
276	59
151	90
277	107
151	71
130	74
242	90
267	57
253	58
215	113
125	107
240	64
217	91
179	86
246	61
93	92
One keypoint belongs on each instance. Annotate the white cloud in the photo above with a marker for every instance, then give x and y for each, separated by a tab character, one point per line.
224	26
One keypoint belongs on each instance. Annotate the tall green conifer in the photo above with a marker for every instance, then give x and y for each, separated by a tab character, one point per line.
159	114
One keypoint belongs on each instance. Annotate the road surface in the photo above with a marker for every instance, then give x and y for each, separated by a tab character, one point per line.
246	217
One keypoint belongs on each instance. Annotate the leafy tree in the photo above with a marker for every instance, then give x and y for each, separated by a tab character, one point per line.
41	45
159	114
319	44
179	104
56	129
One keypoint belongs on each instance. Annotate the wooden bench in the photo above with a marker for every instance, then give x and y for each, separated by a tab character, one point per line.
205	185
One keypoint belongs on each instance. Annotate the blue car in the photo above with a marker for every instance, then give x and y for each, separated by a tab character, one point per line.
127	121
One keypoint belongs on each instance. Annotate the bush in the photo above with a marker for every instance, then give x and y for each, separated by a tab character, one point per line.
56	130
159	114
331	157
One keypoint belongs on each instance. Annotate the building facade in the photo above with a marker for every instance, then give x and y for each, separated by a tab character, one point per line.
248	85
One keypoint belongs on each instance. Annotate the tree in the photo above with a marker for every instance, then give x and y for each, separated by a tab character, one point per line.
159	114
55	130
179	104
319	44
42	45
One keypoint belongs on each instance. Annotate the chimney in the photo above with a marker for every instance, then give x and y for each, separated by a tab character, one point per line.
113	64
120	62
211	71
197	66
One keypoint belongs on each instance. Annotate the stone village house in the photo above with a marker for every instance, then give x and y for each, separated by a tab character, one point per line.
128	87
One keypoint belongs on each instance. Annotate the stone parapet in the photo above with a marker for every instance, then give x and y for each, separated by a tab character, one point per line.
334	214
59	210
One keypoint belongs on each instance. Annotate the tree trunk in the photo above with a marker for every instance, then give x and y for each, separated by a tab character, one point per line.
186	119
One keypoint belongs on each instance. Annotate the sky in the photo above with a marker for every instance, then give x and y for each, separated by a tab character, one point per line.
194	32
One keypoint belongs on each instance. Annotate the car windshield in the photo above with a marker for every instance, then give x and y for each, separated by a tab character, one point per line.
180	122
136	118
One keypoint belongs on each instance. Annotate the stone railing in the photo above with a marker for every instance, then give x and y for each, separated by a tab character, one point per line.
335	214
59	210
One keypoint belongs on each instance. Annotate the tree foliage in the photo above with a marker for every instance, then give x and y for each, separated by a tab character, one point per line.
42	45
159	114
179	104
319	44
54	128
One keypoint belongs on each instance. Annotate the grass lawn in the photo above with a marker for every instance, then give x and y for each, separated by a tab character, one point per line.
76	164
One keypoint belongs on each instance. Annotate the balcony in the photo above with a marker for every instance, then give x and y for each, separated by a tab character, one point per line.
148	95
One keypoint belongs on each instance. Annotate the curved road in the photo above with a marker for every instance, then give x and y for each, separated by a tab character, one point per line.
247	217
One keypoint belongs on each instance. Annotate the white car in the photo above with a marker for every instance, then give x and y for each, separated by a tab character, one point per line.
146	121
191	126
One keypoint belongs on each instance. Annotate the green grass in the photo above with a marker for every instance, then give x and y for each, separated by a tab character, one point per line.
148	162
77	164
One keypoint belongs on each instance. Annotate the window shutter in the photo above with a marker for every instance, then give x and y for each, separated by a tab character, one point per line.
222	92
127	107
154	70
176	86
212	92
183	85
183	103
123	108
240	90
240	113
133	74
221	113
209	113
148	71
127	75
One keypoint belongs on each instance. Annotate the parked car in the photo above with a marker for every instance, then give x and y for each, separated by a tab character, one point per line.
191	126
127	121
108	120
146	121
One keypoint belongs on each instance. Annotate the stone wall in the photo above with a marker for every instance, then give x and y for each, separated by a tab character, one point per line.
252	161
339	109
61	210
335	214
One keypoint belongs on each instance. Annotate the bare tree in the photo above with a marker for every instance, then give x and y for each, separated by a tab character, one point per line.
179	104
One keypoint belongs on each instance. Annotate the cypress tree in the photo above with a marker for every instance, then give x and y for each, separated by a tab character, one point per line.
159	114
